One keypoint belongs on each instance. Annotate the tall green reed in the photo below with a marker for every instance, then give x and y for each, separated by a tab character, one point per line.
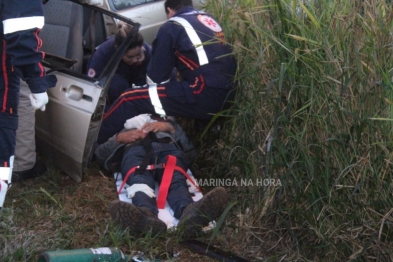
313	109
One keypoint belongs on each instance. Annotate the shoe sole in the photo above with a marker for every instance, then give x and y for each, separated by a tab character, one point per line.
132	218
210	208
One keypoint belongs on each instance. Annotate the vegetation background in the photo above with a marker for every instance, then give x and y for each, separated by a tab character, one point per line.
313	109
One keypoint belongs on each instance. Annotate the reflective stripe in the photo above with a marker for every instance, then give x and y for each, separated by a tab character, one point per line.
155	100
140	188
23	23
5	173
196	41
3	191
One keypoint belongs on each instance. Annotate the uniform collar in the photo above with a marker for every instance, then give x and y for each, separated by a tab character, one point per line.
186	10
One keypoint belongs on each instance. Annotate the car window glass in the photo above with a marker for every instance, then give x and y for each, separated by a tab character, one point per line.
124	4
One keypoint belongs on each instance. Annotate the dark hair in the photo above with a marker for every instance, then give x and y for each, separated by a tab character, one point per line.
176	4
122	32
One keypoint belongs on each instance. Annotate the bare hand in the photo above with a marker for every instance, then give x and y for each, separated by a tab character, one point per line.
130	136
158	127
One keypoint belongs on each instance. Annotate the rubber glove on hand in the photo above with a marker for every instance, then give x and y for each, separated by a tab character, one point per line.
38	101
137	121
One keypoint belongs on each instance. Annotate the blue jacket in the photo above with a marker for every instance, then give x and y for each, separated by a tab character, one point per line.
21	22
192	42
135	74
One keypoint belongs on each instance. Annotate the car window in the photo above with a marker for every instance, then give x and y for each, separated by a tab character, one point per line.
117	5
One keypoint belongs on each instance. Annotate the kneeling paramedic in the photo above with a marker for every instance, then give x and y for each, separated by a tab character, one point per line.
151	151
194	43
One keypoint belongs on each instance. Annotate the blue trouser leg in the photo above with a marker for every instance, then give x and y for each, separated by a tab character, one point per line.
132	158
178	195
9	96
118	85
141	199
174	99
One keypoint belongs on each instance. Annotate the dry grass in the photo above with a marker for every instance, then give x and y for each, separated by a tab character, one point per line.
53	212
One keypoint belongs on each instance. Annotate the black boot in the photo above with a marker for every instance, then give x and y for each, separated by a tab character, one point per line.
38	169
198	214
138	220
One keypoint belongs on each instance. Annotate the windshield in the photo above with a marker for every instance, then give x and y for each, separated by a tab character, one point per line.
124	4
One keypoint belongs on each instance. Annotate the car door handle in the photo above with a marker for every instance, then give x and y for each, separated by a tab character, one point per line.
76	93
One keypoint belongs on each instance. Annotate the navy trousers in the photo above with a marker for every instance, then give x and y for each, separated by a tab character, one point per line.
178	195
9	97
118	85
179	99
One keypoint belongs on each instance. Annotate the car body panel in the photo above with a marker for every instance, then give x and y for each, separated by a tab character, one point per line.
67	130
150	14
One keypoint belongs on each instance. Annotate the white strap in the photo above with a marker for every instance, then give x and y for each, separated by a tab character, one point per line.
5	173
155	100
23	23
140	188
196	41
3	191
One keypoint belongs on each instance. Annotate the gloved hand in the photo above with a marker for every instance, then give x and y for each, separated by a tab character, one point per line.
137	121
38	101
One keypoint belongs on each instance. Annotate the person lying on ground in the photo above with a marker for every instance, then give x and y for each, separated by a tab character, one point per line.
145	146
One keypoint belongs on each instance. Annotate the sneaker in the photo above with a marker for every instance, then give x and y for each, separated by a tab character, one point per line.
198	214
138	220
38	169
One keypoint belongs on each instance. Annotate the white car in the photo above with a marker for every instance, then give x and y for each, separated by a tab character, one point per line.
66	131
149	13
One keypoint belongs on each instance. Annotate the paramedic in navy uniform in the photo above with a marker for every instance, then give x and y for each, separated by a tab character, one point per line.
20	59
192	42
131	69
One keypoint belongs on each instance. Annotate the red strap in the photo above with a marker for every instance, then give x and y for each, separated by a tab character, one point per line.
166	181
181	170
170	167
125	179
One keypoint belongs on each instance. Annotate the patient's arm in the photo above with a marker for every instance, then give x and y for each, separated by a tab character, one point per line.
159	126
130	136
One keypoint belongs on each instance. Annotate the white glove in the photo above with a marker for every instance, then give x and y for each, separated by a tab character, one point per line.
137	121
38	101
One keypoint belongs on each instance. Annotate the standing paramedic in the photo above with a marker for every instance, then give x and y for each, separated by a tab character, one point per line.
20	59
192	42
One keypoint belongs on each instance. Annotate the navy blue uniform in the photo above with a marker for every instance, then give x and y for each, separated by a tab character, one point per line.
125	75
193	43
20	58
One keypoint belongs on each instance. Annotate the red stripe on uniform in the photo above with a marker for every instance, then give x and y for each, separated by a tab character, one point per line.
187	61
5	76
132	92
202	86
39	44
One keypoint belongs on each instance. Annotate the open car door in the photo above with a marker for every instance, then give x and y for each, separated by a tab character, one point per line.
67	130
